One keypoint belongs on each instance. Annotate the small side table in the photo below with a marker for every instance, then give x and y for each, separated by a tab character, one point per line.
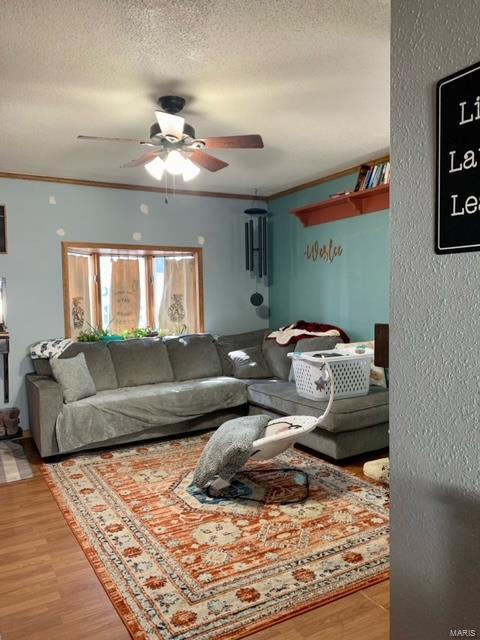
5	350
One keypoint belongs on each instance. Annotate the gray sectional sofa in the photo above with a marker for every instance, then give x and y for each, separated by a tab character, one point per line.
150	388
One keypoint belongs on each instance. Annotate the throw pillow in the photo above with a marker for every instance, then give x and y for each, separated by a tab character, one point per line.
277	358
74	377
249	363
226	344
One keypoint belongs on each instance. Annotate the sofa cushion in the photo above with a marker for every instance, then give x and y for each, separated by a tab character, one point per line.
319	343
99	363
277	359
74	377
128	410
194	356
347	414
226	344
142	361
42	367
249	363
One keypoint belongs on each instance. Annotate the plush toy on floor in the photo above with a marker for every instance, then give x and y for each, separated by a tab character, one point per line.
252	438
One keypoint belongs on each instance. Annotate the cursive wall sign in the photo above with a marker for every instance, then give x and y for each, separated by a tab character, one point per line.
326	252
458	162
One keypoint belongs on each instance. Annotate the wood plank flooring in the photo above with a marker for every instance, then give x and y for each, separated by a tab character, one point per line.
48	590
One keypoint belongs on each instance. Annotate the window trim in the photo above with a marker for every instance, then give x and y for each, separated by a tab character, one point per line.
98	249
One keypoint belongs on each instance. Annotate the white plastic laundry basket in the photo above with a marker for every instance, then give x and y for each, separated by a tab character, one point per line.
350	371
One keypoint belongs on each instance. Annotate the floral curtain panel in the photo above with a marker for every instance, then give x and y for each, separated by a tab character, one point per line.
80	302
178	306
124	295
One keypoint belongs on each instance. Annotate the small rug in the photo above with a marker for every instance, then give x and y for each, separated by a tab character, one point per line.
178	565
13	462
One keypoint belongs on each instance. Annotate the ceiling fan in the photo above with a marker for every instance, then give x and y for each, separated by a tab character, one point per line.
174	147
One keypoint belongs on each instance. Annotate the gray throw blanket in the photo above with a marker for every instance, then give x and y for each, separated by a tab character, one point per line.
118	412
229	449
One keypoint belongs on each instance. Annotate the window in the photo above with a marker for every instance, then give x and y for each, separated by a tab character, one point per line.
119	288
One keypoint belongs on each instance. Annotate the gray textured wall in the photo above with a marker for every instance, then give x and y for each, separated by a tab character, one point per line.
435	345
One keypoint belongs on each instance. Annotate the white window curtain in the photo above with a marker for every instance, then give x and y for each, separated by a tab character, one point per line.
80	293
124	295
178	306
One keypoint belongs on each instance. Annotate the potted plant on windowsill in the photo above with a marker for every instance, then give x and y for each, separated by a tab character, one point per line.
95	334
139	332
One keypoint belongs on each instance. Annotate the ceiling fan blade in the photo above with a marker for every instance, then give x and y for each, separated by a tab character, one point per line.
143	159
206	161
104	139
235	142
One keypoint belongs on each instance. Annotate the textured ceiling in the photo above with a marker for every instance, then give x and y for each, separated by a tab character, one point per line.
311	76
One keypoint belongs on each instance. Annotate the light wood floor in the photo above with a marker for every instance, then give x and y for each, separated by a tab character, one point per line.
48	591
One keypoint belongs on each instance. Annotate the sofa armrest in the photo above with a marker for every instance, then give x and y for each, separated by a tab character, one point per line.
45	402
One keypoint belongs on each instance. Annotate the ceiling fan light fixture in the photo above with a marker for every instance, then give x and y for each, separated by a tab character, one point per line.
156	168
175	163
190	171
171	125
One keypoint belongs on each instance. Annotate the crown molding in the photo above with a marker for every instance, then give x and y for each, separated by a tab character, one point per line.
128	187
189	192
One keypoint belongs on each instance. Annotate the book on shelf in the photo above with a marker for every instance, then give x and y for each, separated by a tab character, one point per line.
373	175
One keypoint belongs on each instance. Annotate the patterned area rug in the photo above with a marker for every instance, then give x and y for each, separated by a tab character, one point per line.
13	463
180	566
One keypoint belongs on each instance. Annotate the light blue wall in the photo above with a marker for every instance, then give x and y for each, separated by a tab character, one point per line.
88	214
351	292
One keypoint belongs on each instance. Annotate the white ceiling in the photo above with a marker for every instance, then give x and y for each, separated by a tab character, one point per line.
311	76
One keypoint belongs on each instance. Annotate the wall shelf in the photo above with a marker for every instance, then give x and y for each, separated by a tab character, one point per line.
356	203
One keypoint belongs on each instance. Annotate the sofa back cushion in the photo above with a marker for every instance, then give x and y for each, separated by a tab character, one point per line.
194	356
227	344
42	367
318	343
142	361
99	363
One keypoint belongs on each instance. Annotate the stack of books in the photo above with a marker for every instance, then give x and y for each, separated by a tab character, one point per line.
373	175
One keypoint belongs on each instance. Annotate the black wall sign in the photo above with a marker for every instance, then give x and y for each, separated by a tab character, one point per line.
458	162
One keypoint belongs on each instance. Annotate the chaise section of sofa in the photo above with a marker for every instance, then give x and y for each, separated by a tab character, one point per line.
354	425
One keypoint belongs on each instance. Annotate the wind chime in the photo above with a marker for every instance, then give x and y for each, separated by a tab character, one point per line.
256	244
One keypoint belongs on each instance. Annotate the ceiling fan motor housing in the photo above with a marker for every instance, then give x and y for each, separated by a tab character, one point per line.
171	104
